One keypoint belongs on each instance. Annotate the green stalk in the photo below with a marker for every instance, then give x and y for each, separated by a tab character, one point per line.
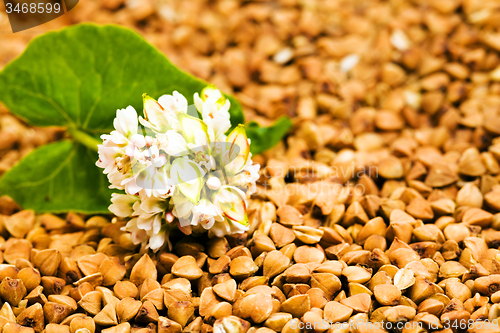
84	138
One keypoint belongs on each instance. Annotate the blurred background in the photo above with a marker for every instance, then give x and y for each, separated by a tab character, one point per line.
322	60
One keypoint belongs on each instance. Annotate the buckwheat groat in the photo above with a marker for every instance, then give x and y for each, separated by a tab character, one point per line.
381	205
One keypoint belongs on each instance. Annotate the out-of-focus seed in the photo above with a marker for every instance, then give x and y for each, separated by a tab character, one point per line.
355	214
470	163
289	216
20	223
16	249
440	175
477	216
470	195
261	243
9	271
391	168
374	227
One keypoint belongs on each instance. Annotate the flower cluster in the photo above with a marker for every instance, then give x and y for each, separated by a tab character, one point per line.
178	168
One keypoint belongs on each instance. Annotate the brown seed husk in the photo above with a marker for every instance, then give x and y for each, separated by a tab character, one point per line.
143	269
32	317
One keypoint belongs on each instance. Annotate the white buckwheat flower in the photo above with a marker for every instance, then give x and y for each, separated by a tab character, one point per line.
179	171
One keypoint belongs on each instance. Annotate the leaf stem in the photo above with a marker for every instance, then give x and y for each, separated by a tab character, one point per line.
84	138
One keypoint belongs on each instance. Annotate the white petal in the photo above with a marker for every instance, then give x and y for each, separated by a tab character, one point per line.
175	103
198	102
157	241
182	205
214	183
138	140
176	145
126	121
122	204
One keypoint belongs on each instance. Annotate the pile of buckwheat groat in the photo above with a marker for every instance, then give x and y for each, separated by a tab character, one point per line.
381	205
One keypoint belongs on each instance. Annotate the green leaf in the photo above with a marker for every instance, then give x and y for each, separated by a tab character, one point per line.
56	178
78	77
264	138
82	74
